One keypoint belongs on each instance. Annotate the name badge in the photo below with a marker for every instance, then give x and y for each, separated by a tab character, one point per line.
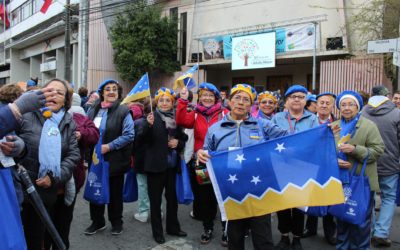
254	135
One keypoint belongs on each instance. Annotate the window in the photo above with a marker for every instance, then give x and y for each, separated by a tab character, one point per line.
182	38
26	10
173	13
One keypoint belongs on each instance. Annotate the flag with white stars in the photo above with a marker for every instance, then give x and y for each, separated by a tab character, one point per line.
186	80
139	91
292	171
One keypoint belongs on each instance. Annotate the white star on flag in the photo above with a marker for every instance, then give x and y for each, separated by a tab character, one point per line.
240	158
280	147
257	159
232	178
255	180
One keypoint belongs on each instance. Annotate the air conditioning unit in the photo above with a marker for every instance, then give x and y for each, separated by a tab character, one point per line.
334	43
193	58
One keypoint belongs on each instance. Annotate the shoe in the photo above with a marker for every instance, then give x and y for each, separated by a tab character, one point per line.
142	217
296	244
116	230
284	243
331	240
381	242
160	239
94	228
224	240
205	238
247	233
180	233
307	233
191	214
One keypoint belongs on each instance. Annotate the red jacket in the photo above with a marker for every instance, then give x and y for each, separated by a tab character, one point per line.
198	122
89	138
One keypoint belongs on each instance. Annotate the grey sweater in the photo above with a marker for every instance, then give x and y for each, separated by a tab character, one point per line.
387	118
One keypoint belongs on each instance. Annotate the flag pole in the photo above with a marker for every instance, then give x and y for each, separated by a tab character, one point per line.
151	104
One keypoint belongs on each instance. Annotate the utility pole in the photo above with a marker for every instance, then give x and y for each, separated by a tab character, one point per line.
67	48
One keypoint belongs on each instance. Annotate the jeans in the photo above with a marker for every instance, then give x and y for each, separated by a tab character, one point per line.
143	199
388	186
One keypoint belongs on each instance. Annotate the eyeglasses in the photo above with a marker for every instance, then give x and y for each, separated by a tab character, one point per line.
166	100
207	96
349	105
244	99
300	97
267	102
111	89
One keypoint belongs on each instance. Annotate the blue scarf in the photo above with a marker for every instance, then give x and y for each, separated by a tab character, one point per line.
347	128
50	146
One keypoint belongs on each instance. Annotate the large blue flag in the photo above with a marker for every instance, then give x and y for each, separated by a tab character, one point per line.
291	171
186	80
139	91
11	233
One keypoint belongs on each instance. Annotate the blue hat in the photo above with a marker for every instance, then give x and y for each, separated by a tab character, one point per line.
350	94
311	98
326	93
31	83
294	89
105	82
210	87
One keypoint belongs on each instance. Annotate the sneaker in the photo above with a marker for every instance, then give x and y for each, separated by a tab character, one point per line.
205	238
142	217
224	240
284	244
94	228
296	244
116	230
381	242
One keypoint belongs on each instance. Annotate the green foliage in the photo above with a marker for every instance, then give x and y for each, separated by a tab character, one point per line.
143	41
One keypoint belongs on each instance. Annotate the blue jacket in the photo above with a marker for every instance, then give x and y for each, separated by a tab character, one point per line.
307	120
8	122
229	133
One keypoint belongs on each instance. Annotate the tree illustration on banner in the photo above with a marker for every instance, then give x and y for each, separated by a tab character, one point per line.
246	49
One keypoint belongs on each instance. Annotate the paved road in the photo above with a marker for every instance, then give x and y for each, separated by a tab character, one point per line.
137	235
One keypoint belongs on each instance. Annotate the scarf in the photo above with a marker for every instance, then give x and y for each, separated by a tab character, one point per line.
106	105
261	115
208	111
168	117
348	129
50	146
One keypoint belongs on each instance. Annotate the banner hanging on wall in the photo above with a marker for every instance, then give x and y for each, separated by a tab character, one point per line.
254	51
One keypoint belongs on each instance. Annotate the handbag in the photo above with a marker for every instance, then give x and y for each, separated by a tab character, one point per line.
183	187
357	197
97	189
130	190
398	192
202	176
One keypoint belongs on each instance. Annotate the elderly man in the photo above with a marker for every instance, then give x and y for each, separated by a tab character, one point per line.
296	119
325	104
396	98
386	116
235	130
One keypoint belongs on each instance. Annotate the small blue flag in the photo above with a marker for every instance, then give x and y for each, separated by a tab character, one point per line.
139	91
186	80
292	171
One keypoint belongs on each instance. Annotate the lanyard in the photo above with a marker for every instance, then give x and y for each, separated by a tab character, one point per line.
290	123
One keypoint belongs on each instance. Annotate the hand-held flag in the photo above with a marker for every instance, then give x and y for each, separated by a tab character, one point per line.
287	172
139	91
186	80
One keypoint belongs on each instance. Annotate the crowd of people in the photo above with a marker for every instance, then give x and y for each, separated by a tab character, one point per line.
52	132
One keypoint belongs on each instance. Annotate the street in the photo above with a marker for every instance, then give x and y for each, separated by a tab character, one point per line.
138	235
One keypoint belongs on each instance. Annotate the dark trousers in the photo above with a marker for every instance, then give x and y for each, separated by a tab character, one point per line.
291	220
156	183
260	232
115	207
358	237
205	206
62	218
328	224
34	229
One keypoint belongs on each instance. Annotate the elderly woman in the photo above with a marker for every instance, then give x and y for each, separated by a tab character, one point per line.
208	111
50	155
296	119
164	141
365	140
117	130
267	105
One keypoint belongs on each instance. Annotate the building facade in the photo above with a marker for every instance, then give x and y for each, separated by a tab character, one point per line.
33	43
